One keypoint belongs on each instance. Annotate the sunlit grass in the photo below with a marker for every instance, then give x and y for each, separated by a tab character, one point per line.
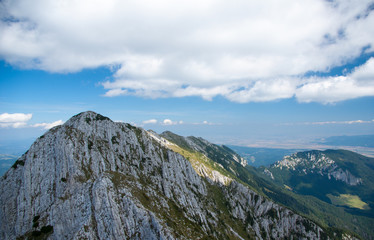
349	200
287	187
198	160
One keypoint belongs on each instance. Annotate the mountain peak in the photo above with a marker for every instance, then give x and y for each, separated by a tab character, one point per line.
93	178
87	117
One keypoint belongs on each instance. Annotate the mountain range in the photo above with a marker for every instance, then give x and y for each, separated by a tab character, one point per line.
92	178
358	140
257	157
339	177
6	161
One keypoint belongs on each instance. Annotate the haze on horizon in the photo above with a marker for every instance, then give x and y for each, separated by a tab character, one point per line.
245	72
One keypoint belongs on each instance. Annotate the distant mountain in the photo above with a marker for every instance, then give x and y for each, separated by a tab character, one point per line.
261	156
340	177
13	147
314	208
92	178
10	152
6	161
356	141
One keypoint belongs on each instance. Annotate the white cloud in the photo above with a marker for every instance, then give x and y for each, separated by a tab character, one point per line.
115	92
14	120
244	51
169	122
18	120
262	91
359	83
365	72
48	125
150	121
209	123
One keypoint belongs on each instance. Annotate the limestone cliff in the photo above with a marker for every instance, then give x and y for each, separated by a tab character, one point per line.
92	178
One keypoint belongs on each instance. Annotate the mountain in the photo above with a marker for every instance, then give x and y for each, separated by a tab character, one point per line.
6	161
92	178
10	152
261	156
340	177
316	209
221	154
358	140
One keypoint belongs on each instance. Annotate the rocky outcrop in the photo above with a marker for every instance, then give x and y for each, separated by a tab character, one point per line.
344	176
92	178
317	162
268	173
267	218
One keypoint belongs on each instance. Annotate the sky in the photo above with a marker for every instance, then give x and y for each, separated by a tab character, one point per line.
235	72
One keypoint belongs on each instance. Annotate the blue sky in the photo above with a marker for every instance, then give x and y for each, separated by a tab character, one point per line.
240	74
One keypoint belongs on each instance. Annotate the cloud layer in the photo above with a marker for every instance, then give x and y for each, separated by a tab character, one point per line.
244	50
331	122
14	120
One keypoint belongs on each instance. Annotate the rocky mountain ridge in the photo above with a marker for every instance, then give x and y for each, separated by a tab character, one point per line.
203	146
316	162
92	178
199	161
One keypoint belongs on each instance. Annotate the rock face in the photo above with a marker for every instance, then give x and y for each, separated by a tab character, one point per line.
317	162
92	178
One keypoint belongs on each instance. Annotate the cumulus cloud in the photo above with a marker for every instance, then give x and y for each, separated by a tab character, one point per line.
169	122
244	51
48	125
359	83
14	120
19	120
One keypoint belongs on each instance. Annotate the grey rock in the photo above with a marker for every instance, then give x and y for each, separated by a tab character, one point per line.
93	178
317	162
